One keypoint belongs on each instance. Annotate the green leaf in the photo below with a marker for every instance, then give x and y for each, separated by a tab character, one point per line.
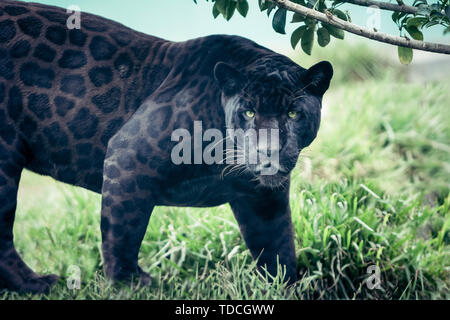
416	22
225	7
271	7
310	22
242	7
279	21
215	11
395	16
308	40
322	6
340	14
405	55
221	6
297	35
297	17
263	4
414	33
447	11
323	37
335	32
230	10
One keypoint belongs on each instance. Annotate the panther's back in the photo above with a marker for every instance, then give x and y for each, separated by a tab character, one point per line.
67	91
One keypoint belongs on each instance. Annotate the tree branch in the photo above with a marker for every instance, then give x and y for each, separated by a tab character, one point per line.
384	5
362	31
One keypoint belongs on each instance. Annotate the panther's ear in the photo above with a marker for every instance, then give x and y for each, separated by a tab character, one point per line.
317	78
229	79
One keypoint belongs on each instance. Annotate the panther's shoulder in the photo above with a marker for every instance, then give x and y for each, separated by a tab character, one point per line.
242	53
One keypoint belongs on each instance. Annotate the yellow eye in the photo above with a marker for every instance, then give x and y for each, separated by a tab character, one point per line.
250	113
292	114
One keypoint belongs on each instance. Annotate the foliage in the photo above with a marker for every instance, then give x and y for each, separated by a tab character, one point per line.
428	15
308	30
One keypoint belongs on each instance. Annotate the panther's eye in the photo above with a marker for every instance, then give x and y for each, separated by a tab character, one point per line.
250	113
292	114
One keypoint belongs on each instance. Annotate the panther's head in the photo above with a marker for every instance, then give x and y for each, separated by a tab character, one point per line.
286	102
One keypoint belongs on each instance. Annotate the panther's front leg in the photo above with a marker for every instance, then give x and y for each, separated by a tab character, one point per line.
265	223
124	220
126	208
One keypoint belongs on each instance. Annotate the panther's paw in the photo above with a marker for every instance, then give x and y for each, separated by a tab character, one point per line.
38	284
136	279
51	279
144	280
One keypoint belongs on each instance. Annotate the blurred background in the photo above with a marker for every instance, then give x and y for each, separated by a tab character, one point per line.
372	189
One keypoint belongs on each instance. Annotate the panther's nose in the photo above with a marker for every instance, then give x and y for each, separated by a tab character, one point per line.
268	163
267	168
260	167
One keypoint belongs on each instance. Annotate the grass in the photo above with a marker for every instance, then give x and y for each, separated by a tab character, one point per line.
373	189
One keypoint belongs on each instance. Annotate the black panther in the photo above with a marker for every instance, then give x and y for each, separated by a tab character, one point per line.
96	106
